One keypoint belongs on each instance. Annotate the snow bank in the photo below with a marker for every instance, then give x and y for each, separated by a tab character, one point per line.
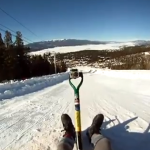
18	88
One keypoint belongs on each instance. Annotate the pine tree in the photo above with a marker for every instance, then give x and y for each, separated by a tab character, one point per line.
1	41
15	63
23	61
63	66
19	40
8	39
2	57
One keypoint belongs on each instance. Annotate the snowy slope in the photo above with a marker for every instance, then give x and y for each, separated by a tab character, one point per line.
66	49
32	121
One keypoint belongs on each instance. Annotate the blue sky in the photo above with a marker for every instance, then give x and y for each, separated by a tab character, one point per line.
119	20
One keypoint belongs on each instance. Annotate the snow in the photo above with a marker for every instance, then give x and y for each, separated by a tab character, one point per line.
132	74
66	49
147	53
18	88
32	121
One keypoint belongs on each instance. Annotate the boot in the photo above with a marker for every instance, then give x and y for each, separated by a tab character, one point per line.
68	126
95	126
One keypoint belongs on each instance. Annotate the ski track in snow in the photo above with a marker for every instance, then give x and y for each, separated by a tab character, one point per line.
32	121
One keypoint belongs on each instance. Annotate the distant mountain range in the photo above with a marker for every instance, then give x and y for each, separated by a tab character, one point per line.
36	46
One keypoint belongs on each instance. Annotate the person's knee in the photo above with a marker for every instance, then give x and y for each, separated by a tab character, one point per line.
103	144
64	146
106	140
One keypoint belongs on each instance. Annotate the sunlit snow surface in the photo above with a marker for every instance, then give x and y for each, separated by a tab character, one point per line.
30	110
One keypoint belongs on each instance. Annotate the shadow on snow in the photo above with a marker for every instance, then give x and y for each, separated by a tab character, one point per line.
121	138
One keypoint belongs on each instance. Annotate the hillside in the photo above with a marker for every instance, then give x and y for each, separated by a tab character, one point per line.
137	57
18	62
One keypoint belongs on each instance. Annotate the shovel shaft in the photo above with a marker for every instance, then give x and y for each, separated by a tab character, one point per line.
77	111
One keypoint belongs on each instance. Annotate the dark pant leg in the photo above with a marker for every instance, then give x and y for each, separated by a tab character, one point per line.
66	144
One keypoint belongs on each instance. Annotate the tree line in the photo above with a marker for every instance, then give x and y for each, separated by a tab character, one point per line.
17	64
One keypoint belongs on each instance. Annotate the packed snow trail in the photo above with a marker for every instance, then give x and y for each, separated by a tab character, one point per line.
33	121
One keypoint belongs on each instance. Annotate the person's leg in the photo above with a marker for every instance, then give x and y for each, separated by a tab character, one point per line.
96	138
68	140
66	143
100	142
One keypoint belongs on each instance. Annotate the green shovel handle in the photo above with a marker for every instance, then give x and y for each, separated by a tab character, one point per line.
76	89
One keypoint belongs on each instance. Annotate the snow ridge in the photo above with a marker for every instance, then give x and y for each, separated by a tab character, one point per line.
18	88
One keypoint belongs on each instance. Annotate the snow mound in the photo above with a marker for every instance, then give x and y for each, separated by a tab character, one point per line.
18	88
